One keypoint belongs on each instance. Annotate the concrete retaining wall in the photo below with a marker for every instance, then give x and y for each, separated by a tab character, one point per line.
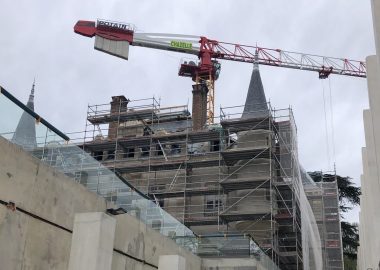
234	264
28	242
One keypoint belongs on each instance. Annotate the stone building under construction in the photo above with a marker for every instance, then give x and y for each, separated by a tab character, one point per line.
232	192
237	179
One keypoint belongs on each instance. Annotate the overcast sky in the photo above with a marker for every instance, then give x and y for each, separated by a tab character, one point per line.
37	40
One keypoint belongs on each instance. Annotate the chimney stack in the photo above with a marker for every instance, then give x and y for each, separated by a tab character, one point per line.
199	106
118	105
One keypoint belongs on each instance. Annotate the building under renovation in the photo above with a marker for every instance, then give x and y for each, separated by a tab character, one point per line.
232	192
152	187
233	189
236	183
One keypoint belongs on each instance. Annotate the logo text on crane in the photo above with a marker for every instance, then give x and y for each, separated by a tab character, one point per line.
114	25
181	44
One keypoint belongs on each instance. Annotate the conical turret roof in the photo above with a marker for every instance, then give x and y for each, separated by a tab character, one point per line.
255	103
25	134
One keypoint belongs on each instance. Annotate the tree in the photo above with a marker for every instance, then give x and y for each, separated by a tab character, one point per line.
348	198
348	193
350	239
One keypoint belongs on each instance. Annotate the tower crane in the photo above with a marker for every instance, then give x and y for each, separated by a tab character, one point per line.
116	37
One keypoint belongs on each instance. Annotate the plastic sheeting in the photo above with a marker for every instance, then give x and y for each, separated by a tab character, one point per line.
311	240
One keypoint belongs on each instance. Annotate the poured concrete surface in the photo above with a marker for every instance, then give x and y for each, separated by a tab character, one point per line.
171	262
369	250
29	243
92	242
369	217
235	264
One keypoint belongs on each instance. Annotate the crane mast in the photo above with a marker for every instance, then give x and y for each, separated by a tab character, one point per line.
116	37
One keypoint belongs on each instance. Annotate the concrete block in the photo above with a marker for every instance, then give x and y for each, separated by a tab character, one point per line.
131	243
171	262
60	207
113	47
376	23
25	181
46	247
370	216
120	261
138	240
235	263
29	243
92	242
18	172
12	238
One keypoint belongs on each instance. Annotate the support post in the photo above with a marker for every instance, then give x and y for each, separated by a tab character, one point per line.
92	242
171	262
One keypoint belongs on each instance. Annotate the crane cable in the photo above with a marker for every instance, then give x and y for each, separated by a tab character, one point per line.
326	126
329	123
332	124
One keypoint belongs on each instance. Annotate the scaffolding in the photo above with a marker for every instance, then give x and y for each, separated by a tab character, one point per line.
239	176
323	198
237	183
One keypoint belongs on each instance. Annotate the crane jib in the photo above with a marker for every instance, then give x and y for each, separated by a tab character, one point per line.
119	31
115	38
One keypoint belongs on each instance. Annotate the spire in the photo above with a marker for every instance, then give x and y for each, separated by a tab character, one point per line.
255	103
31	96
256	63
25	134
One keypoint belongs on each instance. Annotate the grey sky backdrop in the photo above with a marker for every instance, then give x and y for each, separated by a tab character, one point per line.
37	40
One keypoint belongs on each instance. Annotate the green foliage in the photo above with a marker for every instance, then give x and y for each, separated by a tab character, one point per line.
348	193
349	264
350	238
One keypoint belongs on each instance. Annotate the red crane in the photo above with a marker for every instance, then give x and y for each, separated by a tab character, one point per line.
115	37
